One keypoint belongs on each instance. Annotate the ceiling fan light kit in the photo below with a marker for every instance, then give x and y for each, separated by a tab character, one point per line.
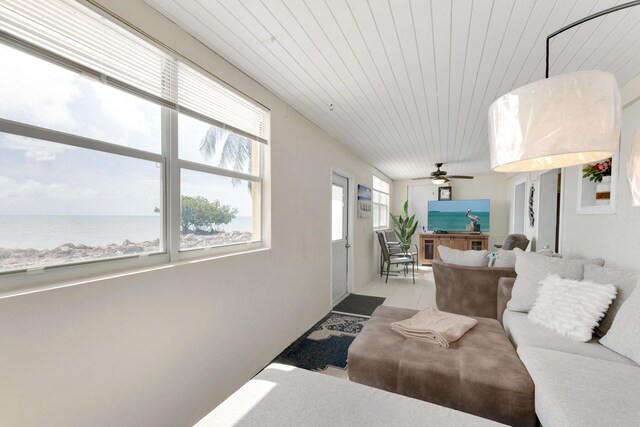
561	121
439	180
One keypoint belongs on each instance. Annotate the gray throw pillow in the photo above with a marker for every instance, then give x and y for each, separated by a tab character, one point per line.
533	268
624	281
505	259
465	258
625	330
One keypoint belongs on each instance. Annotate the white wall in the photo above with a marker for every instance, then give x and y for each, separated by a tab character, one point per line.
616	238
165	346
487	186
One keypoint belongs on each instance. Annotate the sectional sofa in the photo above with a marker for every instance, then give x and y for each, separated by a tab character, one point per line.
576	383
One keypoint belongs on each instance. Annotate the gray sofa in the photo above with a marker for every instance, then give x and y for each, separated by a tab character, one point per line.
576	384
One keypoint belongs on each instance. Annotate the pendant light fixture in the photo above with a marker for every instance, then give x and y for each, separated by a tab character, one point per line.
561	121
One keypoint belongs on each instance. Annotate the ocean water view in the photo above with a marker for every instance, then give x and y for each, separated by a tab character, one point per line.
51	231
456	221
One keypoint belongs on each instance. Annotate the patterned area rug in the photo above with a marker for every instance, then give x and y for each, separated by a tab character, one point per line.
324	347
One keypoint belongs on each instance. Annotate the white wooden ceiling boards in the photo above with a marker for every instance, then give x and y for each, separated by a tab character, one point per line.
410	80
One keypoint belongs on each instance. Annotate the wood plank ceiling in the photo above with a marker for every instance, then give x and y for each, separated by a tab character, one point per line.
407	83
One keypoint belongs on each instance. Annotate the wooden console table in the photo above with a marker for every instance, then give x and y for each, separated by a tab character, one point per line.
428	247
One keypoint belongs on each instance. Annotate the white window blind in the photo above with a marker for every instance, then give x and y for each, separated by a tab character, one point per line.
76	37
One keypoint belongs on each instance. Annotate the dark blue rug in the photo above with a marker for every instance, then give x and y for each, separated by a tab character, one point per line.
359	304
324	347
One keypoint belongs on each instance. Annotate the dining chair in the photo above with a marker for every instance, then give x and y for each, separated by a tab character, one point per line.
400	259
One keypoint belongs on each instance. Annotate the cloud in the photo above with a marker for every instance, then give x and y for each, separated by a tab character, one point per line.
125	112
38	95
50	96
34	149
34	190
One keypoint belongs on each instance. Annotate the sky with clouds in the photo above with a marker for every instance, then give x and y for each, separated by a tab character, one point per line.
45	178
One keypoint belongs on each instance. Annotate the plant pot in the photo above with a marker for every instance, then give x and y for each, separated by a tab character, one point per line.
603	191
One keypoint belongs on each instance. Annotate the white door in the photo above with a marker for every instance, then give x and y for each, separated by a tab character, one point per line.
339	236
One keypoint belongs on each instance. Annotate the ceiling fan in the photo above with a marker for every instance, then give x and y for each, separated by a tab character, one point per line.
440	177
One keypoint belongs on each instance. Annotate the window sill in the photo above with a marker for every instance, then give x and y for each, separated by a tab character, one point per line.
21	283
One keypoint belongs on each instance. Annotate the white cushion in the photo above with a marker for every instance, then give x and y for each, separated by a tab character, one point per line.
572	390
570	307
282	395
625	282
624	335
533	268
465	258
505	259
522	332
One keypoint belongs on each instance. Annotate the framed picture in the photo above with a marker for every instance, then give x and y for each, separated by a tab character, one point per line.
597	187
444	193
364	201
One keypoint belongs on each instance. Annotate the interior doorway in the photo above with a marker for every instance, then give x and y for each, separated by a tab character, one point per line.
419	196
519	207
339	237
549	211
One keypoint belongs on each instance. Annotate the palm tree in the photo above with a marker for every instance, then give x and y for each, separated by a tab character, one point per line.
236	150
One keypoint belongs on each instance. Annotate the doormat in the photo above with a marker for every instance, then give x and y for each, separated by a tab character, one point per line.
359	304
324	347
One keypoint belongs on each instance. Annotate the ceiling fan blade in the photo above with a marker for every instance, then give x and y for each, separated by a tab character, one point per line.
423	177
460	176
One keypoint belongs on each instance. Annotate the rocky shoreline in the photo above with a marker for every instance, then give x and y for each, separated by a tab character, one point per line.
14	259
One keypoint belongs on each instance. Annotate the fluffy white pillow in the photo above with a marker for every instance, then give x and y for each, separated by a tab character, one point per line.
465	258
532	268
571	307
623	336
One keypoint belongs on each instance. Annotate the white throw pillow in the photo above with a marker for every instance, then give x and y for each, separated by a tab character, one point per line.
624	335
625	282
571	308
505	259
533	268
465	258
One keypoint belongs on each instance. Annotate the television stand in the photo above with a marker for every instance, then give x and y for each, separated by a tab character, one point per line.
428	247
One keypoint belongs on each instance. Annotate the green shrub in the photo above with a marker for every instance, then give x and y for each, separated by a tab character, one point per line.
200	216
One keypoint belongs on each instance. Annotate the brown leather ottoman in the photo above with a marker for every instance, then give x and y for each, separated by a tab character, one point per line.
480	373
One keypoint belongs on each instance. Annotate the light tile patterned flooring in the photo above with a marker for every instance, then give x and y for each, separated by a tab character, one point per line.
401	292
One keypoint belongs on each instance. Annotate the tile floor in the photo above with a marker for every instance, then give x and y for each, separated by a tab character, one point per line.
401	292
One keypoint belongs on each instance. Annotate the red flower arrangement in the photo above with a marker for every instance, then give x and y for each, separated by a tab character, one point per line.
597	171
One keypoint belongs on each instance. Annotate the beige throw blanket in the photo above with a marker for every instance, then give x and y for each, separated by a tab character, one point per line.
435	327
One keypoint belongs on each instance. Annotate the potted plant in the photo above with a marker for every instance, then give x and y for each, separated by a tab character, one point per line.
405	226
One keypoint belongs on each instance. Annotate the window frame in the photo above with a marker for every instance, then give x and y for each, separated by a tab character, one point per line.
376	206
170	166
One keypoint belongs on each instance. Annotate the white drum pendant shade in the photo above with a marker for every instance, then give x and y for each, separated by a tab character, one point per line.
561	121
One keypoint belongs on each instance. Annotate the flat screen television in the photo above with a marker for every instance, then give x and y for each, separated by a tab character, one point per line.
451	215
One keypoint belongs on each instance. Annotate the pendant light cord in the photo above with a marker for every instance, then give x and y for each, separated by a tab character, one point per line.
583	20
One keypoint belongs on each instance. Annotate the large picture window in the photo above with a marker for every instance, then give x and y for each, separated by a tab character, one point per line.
380	203
111	147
